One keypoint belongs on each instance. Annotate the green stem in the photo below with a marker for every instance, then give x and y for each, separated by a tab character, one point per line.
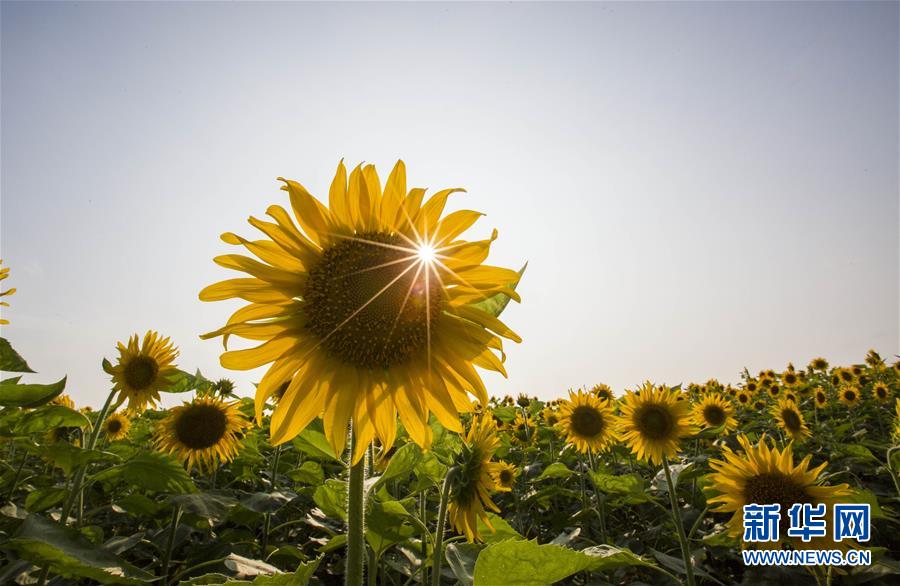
679	525
890	468
170	544
423	511
15	483
438	554
697	522
356	511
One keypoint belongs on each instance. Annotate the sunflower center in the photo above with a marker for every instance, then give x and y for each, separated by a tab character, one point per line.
370	301
114	425
140	372
849	395
743	398
714	415
791	420
654	422
586	421
506	477
201	426
772	488
881	392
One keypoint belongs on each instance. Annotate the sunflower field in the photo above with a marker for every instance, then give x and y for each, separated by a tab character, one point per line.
371	452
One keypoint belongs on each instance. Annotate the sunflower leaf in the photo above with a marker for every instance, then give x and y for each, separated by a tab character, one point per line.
151	471
10	361
48	417
495	304
16	395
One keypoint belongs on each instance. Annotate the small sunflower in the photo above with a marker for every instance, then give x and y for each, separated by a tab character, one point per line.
774	390
790	396
470	488
550	416
653	421
224	387
116	426
143	370
4	273
522	428
765	475
523	401
203	432
715	411
845	376
874	359
63	400
881	392
759	405
821	397
790	378
588	421
603	392
751	386
743	398
790	419
504	476
819	364
849	396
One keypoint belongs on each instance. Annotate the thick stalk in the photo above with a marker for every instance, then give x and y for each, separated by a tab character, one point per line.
679	525
438	554
356	511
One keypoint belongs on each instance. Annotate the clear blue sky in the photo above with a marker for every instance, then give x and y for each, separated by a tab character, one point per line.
697	187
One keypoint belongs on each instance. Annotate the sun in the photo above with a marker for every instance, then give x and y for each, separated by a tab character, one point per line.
426	253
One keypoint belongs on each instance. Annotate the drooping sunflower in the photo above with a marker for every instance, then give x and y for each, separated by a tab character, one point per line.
849	396
765	475
790	419
653	421
4	274
116	426
369	309
504	476
588	421
819	364
881	392
821	397
143	370
202	433
470	489
714	411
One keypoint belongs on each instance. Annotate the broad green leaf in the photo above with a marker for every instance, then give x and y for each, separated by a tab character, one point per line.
137	505
16	395
48	417
402	463
629	486
461	558
211	505
45	498
331	497
312	442
151	471
310	472
10	361
266	502
182	382
71	555
495	304
609	557
386	525
68	457
502	530
865	496
555	470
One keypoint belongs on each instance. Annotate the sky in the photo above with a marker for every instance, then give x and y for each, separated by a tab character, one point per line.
696	187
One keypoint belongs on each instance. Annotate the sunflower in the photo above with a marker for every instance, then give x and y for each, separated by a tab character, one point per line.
603	392
63	400
881	392
790	378
790	419
845	376
116	426
743	398
550	416
774	390
714	411
765	475
202	432
849	396
588	421
790	396
821	397
523	401
751	386
522	428
143	370
819	364
4	273
896	368
504	476
759	405
369	309
653	421
470	487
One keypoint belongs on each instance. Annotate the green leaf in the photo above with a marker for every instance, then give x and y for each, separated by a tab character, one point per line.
137	505
10	361
555	470
45	498
182	382
502	530
71	555
610	557
16	395
151	471
309	472
266	502
312	442
402	463
495	304
331	497
461	558
865	496
211	505
629	486
49	417
386	525
68	457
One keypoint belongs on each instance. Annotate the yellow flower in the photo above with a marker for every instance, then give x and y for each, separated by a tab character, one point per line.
845	376
653	421
821	397
202	433
4	273
849	396
368	309
550	416
63	400
765	475
714	411
881	392
743	398
604	392
790	378
588	421
790	419
143	370
116	426
751	386
522	429
773	390
471	486
819	364
504	476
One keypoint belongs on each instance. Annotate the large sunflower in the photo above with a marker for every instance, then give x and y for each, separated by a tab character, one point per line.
588	421
715	411
143	370
475	478
369	309
790	419
765	475
203	432
653	421
4	273
116	426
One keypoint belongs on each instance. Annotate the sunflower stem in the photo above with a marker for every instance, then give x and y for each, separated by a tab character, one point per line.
438	554
170	544
356	511
679	525
890	468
